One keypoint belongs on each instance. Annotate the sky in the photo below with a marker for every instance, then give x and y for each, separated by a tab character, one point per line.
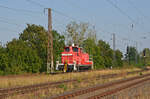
128	19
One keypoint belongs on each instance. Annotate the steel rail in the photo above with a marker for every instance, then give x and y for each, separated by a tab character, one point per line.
113	91
92	89
31	88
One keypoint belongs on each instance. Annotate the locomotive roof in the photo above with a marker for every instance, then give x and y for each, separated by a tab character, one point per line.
74	46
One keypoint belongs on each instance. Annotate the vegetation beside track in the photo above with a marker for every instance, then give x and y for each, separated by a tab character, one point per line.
28	53
14	81
89	81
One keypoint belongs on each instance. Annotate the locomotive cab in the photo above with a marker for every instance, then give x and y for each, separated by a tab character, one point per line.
73	59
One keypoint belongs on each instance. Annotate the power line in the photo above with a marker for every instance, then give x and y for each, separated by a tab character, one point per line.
4	18
9	21
63	14
137	9
7	29
26	12
72	18
73	4
139	12
124	13
58	12
4	21
36	3
120	10
20	10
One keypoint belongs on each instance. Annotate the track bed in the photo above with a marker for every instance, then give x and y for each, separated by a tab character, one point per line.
103	91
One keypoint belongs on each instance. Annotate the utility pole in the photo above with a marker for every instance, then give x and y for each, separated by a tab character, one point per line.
136	56
129	54
114	49
50	65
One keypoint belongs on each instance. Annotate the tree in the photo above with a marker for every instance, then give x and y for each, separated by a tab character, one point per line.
102	53
146	56
3	60
59	44
77	33
28	54
106	53
91	47
119	56
36	37
22	58
131	54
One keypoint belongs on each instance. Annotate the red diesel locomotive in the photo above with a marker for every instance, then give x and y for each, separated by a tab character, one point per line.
74	59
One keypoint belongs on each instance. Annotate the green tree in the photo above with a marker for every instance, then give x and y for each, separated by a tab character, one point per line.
29	52
3	60
59	44
131	54
106	53
146	56
22	58
119	56
102	53
91	47
36	37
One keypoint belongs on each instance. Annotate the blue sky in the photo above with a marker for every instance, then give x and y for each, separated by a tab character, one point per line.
106	17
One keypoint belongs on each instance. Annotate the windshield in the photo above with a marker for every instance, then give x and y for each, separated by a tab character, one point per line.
67	49
75	49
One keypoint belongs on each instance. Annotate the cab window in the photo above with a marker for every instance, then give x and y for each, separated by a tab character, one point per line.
75	49
67	49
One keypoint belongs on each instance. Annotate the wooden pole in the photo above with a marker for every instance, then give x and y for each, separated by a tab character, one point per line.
50	66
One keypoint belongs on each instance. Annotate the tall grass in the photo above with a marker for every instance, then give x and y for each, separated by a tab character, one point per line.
7	81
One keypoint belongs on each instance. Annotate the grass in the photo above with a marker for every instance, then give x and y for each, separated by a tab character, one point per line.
68	87
140	91
71	86
15	81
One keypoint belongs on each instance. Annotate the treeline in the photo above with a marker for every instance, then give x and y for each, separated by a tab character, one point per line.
140	59
28	53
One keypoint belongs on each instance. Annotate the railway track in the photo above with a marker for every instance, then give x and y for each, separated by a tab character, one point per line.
59	73
113	91
100	91
31	88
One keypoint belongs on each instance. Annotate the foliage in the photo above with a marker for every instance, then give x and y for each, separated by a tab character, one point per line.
131	54
29	52
132	57
3	60
59	44
146	56
90	47
77	33
106	53
119	57
36	38
22	58
102	53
